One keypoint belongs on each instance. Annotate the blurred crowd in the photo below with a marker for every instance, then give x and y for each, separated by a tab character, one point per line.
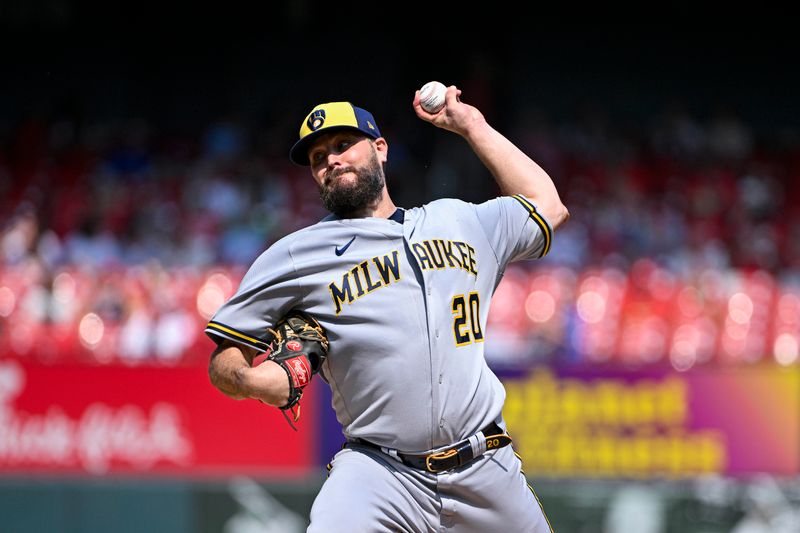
683	245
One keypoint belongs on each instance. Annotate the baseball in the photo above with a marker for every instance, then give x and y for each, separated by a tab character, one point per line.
431	96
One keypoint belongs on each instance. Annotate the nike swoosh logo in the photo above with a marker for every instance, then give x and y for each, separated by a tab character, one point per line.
343	249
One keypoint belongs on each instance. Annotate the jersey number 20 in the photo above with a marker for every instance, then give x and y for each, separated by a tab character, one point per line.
467	319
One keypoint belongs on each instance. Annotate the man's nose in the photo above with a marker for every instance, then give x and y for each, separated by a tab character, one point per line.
334	159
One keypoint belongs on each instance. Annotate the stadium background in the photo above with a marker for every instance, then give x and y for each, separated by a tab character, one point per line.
651	360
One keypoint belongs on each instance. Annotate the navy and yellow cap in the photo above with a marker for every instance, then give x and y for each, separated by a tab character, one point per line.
331	117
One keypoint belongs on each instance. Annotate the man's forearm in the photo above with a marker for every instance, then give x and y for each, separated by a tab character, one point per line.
231	372
515	172
226	371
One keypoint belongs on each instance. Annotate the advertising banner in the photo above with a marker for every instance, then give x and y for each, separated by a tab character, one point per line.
148	420
614	423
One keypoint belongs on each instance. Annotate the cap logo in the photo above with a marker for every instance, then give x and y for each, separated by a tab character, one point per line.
316	120
370	125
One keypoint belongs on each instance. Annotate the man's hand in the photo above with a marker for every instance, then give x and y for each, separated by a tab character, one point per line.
455	116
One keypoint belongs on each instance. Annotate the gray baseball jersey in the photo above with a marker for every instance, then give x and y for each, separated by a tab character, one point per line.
404	301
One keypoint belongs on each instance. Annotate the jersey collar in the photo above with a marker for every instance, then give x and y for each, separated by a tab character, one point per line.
398	216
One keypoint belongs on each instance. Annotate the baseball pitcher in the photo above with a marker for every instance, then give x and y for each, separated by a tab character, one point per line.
389	307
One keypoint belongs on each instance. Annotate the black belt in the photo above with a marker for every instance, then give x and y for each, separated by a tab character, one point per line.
456	455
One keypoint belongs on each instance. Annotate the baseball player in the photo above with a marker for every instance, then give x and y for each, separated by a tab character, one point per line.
403	296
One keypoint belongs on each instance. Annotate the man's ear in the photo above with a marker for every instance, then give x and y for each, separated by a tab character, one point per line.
381	148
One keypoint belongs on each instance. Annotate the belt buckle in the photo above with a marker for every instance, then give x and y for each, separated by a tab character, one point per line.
439	457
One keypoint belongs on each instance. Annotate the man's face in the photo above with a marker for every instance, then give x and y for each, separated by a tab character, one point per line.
347	168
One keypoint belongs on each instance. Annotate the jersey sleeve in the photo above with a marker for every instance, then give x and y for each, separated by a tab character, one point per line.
514	228
268	290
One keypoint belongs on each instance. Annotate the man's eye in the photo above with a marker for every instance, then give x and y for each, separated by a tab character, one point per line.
316	157
344	144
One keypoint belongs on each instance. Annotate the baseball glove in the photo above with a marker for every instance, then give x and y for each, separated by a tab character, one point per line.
299	346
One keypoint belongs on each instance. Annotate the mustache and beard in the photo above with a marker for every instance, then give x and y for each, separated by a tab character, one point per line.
342	198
